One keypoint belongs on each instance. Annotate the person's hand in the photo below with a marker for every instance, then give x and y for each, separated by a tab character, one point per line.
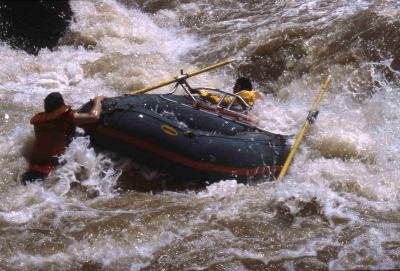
203	93
99	98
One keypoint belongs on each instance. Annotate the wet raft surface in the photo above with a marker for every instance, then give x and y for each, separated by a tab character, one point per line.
168	132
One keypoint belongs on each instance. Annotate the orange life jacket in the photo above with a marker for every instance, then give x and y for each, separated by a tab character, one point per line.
53	132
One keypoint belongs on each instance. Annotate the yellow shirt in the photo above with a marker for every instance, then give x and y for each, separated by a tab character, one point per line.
249	96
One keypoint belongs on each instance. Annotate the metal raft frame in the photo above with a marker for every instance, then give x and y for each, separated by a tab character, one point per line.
242	113
191	92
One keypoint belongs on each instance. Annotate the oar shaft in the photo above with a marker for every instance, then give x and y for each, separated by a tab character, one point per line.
175	79
296	145
321	93
220	64
143	90
303	130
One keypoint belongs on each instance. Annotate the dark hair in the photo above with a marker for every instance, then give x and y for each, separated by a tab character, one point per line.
53	101
244	83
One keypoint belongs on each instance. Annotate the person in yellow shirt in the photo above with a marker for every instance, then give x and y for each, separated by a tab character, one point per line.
242	87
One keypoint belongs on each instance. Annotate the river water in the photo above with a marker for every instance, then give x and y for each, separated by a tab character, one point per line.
337	208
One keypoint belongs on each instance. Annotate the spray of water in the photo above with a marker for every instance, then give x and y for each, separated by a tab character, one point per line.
338	206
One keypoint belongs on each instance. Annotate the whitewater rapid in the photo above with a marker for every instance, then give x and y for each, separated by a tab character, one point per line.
338	207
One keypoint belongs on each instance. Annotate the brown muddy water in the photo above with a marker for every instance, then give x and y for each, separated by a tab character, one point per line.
338	207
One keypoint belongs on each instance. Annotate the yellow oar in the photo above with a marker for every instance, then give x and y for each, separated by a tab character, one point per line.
184	76
307	122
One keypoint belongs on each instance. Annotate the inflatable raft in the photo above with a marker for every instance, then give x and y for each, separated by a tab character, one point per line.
188	139
187	136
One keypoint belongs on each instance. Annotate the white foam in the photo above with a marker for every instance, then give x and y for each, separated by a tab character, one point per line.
347	165
82	165
221	189
366	249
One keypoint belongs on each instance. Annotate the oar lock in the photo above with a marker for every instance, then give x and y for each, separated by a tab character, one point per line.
312	116
181	77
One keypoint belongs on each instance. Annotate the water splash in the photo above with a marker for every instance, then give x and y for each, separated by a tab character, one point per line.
338	206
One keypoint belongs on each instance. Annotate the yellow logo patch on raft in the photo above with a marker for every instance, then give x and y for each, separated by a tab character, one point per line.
169	130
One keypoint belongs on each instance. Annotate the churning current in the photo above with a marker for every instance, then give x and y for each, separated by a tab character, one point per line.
338	206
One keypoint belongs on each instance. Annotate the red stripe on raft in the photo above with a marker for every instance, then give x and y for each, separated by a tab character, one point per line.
177	158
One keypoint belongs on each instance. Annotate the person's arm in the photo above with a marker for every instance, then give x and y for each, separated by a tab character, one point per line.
91	117
213	98
249	96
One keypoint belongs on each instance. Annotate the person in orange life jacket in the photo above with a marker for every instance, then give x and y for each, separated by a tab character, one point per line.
242	87
54	129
